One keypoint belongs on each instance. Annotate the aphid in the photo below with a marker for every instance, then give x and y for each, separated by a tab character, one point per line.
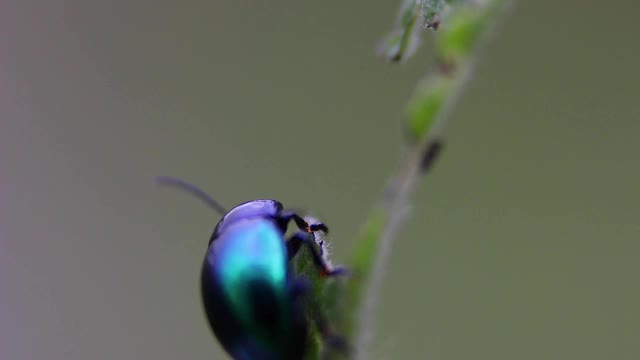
254	303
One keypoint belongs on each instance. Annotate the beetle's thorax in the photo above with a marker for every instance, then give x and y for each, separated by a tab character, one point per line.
265	208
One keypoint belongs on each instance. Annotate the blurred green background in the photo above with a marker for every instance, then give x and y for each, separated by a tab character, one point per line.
523	244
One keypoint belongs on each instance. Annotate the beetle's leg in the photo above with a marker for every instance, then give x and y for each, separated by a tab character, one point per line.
335	342
302	238
301	223
299	287
293	244
332	341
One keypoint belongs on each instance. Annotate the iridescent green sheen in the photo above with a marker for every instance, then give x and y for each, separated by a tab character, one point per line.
250	251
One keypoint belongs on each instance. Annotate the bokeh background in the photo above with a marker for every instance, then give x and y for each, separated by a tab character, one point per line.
523	244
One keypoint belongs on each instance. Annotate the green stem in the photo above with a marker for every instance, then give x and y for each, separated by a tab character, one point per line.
396	210
354	303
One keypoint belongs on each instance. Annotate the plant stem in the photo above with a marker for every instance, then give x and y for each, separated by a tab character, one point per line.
429	113
397	205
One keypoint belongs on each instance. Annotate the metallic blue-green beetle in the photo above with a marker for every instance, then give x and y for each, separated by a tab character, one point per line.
253	301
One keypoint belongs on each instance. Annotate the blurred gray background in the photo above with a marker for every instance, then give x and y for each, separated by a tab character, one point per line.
524	242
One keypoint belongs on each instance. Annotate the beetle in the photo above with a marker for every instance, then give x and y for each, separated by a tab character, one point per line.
254	303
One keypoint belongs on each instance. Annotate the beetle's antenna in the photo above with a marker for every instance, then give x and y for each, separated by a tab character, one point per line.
193	190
